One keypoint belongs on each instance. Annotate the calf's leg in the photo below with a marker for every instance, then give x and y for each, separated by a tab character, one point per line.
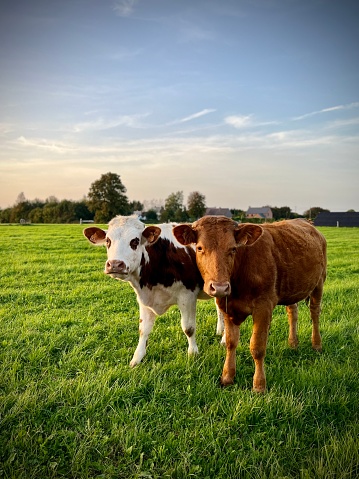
315	300
220	331
187	307
292	312
258	345
147	319
232	338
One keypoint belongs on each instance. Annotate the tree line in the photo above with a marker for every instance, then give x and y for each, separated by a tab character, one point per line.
107	198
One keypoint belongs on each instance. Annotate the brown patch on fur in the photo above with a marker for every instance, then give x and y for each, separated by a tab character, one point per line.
168	264
189	332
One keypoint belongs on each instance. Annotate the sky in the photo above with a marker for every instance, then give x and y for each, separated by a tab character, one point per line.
249	102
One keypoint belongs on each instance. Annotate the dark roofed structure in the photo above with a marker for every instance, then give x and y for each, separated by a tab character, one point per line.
348	219
264	213
218	212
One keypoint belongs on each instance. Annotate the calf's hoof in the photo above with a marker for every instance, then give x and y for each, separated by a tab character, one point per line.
259	390
259	386
317	347
224	382
192	351
293	343
134	363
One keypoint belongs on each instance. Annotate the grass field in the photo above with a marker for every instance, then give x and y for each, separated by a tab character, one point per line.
70	406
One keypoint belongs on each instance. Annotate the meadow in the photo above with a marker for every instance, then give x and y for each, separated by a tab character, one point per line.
71	407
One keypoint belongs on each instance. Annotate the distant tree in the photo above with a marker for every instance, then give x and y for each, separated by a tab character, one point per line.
107	198
238	215
20	198
151	215
52	200
174	209
20	212
5	215
36	216
281	213
313	212
135	206
196	205
81	211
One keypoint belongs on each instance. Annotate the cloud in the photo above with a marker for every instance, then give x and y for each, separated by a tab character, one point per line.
43	144
348	106
204	112
6	128
124	8
238	121
101	124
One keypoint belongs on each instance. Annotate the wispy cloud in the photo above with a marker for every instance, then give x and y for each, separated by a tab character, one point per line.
99	124
39	143
247	121
348	106
5	128
238	121
204	112
124	8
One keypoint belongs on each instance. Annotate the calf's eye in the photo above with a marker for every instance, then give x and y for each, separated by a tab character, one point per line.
134	243
108	242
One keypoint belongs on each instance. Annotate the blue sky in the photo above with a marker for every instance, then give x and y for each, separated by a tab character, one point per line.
250	102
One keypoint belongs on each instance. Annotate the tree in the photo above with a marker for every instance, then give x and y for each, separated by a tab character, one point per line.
313	212
174	209
281	213
20	198
196	205
151	215
107	198
136	206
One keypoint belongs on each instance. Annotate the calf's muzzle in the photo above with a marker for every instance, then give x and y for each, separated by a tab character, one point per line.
114	266
219	289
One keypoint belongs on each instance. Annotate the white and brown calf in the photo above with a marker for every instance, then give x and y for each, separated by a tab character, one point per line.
162	272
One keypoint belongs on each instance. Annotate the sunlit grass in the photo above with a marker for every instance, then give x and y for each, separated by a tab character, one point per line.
70	406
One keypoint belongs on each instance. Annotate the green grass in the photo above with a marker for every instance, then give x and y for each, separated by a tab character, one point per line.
70	406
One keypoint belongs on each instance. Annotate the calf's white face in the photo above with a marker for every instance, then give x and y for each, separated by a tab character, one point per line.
125	241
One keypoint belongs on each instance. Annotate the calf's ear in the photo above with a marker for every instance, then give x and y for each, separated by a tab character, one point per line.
150	234
185	234
247	234
95	235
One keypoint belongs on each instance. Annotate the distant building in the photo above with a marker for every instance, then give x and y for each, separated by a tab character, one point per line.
218	212
264	213
349	219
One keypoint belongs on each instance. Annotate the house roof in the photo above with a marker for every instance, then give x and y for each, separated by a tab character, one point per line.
325	218
258	211
218	212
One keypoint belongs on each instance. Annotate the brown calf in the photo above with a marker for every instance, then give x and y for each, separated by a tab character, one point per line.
250	269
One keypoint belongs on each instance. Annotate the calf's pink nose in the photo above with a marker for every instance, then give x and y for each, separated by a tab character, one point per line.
220	289
115	266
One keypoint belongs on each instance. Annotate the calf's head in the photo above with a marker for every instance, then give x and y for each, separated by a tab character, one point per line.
217	239
125	240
